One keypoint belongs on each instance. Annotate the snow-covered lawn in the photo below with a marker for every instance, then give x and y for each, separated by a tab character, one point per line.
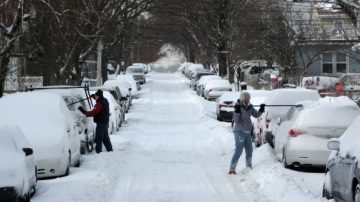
173	149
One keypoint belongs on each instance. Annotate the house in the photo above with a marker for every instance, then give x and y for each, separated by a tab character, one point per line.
324	38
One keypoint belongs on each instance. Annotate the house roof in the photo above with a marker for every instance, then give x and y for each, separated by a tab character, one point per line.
320	22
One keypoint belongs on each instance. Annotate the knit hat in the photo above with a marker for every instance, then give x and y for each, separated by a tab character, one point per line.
244	95
99	93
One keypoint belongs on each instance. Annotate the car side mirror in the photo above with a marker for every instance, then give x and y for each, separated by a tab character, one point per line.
123	98
28	151
334	144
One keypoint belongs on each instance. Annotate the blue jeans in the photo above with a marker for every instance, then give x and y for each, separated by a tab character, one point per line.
242	140
102	136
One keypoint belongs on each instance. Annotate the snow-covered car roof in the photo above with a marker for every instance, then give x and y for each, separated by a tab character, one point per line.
123	85
257	96
327	112
206	78
287	97
42	116
218	83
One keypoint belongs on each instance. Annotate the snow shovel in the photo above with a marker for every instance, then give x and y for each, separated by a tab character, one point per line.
297	106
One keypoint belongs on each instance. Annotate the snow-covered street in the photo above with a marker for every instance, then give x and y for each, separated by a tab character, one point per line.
172	148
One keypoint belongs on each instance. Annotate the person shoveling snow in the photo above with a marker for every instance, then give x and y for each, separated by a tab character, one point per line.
242	128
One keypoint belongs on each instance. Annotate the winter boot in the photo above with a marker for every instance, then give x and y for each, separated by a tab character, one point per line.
232	172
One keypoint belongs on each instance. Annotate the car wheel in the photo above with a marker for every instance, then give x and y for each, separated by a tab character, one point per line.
356	195
83	147
25	198
283	160
67	172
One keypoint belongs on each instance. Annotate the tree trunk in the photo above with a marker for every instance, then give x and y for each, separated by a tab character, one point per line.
222	63
104	72
3	72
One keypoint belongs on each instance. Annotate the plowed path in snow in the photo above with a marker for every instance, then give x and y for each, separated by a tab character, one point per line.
169	150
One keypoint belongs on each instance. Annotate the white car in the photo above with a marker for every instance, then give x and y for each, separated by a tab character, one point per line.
271	114
135	87
50	128
125	89
303	133
18	167
142	65
215	88
75	97
137	73
184	66
201	83
114	110
192	68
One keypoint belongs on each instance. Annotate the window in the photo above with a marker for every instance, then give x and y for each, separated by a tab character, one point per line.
327	63
334	62
340	63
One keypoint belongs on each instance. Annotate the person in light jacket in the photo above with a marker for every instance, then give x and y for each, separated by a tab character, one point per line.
242	127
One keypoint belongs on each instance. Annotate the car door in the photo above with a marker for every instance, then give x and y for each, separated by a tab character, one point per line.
347	167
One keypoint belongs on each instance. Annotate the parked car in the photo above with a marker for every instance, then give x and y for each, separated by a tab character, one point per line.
197	75
135	86
50	128
342	173
75	96
192	68
114	109
271	114
225	103
125	89
215	88
142	65
302	134
18	167
137	73
184	66
200	85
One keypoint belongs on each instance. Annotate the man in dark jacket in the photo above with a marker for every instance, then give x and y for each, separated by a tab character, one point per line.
242	127
101	118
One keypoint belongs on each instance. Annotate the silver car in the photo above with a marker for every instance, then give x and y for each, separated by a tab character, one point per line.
342	174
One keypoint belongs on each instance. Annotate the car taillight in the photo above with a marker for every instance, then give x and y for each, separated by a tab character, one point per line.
222	105
295	132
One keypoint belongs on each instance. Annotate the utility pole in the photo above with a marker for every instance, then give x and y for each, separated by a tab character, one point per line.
99	60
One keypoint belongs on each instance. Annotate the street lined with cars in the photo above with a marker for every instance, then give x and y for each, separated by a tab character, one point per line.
46	133
304	130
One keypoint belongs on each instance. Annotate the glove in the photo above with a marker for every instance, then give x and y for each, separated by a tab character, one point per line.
262	108
80	108
237	108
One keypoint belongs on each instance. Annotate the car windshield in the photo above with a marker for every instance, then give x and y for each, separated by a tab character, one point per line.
136	70
69	100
